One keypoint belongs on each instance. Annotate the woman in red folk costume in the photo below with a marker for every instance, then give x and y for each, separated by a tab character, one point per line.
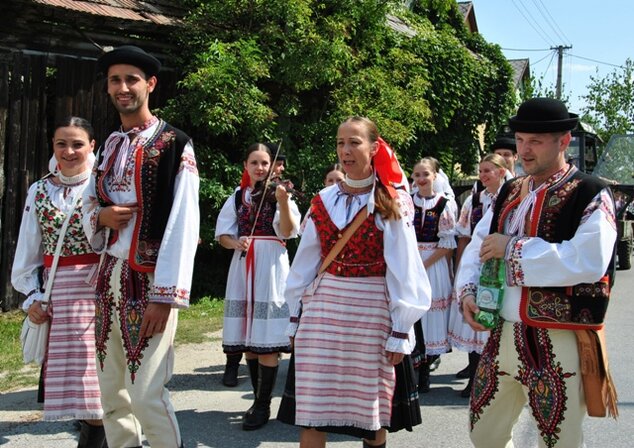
352	315
70	385
254	222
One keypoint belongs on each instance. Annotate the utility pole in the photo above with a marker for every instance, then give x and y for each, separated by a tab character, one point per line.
560	59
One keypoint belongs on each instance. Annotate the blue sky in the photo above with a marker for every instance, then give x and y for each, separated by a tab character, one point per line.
601	30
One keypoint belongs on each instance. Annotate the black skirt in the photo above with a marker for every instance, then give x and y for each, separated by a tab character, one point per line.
405	404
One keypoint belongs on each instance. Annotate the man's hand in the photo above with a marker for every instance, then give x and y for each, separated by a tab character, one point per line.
36	314
116	216
469	310
154	319
493	246
395	358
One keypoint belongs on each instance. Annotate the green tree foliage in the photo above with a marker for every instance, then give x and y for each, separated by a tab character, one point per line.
610	102
292	70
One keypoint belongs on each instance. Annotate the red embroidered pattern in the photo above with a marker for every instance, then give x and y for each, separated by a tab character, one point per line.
188	163
169	294
514	271
362	256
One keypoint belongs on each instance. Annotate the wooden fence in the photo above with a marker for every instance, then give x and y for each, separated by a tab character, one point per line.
37	90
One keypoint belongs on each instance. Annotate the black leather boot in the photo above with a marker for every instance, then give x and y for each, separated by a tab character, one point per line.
91	436
474	359
261	411
253	365
230	377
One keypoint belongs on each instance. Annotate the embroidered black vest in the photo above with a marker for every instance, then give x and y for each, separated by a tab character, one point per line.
427	226
557	214
156	166
264	225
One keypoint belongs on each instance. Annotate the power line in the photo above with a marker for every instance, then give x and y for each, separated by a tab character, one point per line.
552	55
525	49
543	10
594	60
542	33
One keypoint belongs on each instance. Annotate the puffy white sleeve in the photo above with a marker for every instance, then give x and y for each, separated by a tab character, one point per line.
227	223
296	217
463	226
303	272
447	226
28	253
468	273
175	262
532	261
408	288
90	208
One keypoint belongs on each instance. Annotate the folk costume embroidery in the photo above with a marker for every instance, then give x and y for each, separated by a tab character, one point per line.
359	257
556	214
158	154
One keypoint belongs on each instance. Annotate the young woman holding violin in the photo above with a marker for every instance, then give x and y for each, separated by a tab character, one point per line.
254	222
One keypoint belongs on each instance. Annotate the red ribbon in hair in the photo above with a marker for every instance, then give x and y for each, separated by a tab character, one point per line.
246	180
387	167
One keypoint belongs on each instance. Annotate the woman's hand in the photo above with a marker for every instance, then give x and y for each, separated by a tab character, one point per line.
116	216
37	314
281	195
242	243
395	358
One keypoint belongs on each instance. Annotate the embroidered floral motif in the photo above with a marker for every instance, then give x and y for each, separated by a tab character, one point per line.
51	219
544	378
486	379
468	289
169	294
602	202
514	271
549	305
264	224
188	163
130	309
426	222
362	256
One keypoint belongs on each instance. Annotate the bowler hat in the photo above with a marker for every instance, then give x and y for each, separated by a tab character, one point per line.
504	143
131	55
542	115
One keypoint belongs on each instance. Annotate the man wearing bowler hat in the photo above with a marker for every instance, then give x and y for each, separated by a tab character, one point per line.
505	147
555	230
141	213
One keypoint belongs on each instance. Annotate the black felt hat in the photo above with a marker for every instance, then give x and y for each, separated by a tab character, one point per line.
131	55
504	143
273	148
542	115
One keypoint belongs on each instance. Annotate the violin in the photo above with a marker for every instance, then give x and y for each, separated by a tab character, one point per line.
258	189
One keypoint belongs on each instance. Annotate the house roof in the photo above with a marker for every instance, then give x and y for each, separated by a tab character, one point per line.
82	27
521	70
160	12
468	12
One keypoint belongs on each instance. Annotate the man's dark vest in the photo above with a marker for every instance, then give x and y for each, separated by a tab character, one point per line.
556	215
156	166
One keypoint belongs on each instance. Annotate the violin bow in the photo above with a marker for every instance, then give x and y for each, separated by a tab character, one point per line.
266	186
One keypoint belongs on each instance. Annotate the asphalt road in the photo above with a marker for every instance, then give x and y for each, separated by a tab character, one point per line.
210	414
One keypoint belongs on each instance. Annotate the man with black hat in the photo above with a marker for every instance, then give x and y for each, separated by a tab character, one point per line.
140	212
505	147
555	230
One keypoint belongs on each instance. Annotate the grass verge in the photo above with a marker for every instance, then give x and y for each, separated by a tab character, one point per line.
195	326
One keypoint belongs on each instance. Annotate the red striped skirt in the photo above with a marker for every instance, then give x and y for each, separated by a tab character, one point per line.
71	387
342	374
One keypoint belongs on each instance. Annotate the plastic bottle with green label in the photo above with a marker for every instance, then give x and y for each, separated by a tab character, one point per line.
490	292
